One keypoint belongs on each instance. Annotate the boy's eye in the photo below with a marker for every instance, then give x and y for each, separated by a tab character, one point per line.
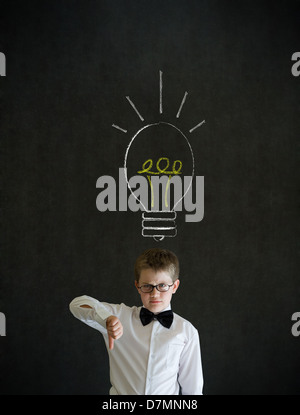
147	288
162	285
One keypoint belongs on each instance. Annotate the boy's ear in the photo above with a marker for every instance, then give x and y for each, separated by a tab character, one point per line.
176	285
136	285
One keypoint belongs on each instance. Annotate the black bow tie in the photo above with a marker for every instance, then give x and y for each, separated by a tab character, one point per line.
165	318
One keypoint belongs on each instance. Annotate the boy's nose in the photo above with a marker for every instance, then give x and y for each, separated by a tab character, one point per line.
154	293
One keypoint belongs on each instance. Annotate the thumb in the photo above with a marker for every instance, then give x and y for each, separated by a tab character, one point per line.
110	342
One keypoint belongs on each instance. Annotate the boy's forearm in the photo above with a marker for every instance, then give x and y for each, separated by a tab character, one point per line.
88	309
96	314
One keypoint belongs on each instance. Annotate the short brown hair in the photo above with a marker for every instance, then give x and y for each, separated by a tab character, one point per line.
158	260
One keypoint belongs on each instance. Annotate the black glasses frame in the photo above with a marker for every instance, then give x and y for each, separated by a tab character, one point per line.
155	286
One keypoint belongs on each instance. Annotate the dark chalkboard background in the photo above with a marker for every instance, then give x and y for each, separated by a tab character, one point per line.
70	66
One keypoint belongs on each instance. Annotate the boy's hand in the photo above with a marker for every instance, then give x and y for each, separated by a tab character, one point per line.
114	330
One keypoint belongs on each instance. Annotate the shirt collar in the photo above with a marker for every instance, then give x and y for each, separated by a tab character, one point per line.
165	309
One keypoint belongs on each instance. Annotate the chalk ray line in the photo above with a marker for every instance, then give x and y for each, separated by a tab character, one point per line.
197	126
135	109
119	128
160	92
182	104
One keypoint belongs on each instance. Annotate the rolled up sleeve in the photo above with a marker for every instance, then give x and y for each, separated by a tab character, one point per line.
95	316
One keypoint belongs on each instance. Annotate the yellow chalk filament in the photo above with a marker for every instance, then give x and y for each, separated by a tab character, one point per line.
147	166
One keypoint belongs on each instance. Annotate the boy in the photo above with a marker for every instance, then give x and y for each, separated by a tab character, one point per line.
152	351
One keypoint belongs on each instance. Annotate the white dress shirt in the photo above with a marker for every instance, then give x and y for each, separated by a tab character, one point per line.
146	360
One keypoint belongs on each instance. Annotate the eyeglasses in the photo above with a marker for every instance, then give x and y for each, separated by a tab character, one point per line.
148	288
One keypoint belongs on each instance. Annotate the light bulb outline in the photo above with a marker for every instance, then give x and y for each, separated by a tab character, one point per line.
126	157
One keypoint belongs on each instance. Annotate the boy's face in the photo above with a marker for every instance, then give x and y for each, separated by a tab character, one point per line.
156	301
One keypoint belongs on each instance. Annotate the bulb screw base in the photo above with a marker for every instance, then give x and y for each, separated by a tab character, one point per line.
159	225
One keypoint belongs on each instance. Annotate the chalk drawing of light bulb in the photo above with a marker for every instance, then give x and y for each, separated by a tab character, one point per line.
162	154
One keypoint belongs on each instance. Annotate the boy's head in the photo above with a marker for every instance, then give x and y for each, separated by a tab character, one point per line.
158	267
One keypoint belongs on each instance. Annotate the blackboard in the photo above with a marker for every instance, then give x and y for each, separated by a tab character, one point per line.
69	68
